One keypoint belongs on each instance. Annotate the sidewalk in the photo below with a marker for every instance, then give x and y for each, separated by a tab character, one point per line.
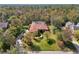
49	52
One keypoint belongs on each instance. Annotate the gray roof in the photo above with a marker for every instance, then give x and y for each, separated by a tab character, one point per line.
69	24
77	24
3	24
72	25
76	27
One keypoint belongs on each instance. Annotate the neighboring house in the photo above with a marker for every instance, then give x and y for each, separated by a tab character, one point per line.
3	25
38	25
70	26
77	26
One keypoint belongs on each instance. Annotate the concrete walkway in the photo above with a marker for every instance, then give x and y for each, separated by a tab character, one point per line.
19	44
49	52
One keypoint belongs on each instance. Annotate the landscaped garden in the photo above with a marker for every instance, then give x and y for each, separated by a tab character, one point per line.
50	41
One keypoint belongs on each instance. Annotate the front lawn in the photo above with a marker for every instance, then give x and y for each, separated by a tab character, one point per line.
44	43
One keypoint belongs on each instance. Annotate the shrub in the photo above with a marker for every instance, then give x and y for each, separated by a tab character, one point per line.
5	46
50	41
59	36
70	45
35	47
37	39
61	44
77	34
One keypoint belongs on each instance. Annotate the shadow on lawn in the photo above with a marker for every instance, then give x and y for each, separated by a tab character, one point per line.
35	48
70	45
77	48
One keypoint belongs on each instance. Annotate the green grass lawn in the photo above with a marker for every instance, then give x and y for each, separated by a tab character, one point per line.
44	46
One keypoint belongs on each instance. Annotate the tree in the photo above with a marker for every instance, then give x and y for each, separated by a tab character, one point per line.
1	39
77	34
9	37
27	41
3	43
72	14
14	21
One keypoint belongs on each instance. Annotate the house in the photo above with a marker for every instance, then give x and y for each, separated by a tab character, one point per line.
70	25
3	25
38	25
77	26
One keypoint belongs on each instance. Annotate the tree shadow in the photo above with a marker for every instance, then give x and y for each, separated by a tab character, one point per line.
70	45
35	48
77	48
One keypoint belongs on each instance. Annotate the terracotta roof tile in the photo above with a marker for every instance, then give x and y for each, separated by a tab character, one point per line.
35	26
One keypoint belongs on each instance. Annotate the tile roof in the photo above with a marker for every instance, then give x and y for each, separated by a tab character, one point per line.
38	25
